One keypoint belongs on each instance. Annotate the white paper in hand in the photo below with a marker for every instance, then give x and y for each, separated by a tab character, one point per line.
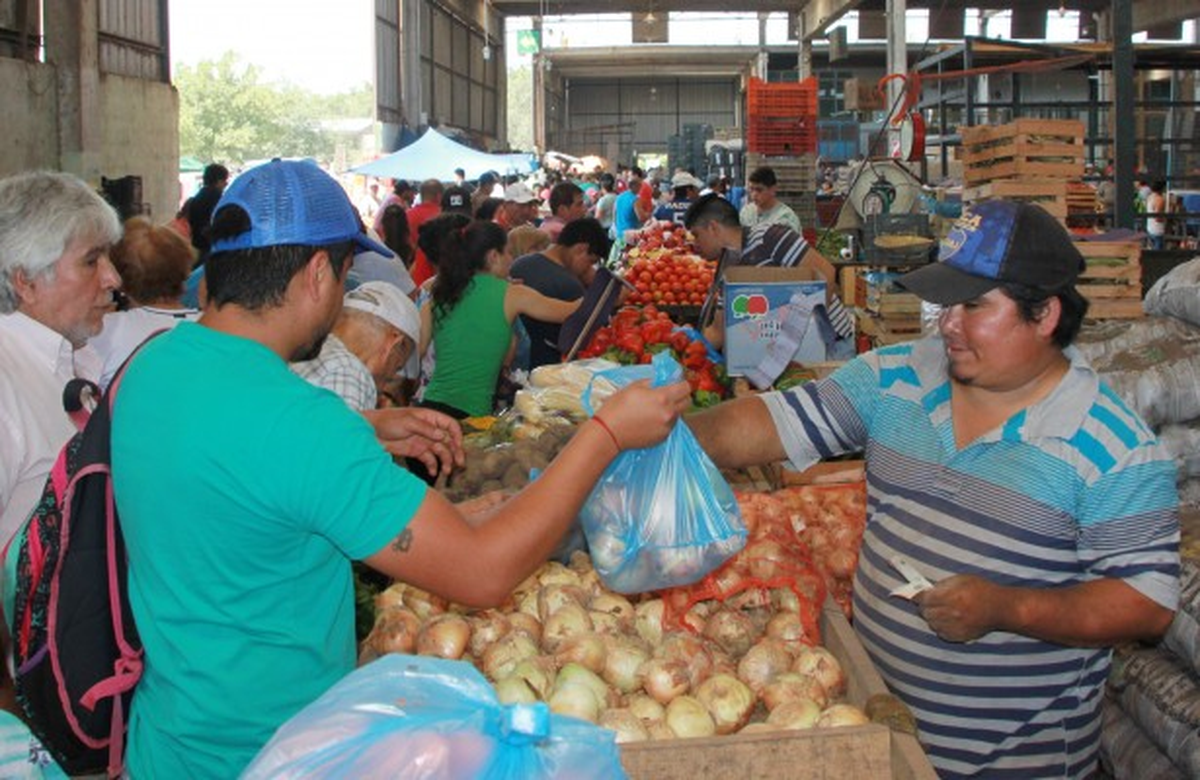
916	582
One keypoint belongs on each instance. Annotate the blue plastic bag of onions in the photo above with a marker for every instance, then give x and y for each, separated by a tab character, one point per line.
407	717
663	516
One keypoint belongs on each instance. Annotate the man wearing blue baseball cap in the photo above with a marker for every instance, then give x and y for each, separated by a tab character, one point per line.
1022	519
245	491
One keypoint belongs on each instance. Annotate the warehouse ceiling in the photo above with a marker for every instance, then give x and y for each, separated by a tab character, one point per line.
1147	13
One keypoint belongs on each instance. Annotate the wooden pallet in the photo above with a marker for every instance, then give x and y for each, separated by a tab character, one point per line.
1050	195
1041	148
884	331
1112	282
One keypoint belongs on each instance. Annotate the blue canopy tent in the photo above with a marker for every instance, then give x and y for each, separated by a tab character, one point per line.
434	156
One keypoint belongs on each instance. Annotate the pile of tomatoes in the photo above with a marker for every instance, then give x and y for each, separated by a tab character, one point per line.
635	335
665	270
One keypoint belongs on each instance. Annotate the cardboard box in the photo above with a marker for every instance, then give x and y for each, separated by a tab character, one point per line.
870	752
770	320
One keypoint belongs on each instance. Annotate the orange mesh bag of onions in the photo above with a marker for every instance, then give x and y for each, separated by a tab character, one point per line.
829	520
774	574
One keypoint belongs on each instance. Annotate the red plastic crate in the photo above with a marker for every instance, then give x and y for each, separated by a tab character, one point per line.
782	99
782	136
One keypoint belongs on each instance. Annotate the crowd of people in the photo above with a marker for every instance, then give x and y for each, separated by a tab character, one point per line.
295	418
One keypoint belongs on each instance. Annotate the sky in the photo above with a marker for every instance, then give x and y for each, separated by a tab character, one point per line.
326	46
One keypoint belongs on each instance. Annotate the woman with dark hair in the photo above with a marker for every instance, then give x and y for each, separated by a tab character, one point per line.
396	235
470	315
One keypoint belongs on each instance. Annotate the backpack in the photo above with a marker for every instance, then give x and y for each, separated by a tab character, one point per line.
76	652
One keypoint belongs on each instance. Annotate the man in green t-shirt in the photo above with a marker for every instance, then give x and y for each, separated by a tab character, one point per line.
245	492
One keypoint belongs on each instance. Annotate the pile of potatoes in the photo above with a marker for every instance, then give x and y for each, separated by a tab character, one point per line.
506	465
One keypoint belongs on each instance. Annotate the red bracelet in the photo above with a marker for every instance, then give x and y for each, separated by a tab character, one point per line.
609	431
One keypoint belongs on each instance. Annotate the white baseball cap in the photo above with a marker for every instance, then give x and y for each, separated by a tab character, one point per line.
519	192
388	303
685	179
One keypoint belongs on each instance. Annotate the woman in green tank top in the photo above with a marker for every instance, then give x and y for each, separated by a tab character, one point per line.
470	316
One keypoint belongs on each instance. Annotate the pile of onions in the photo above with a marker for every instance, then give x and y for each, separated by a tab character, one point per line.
830	519
740	666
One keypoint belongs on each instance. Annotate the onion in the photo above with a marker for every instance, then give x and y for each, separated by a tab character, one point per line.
526	623
629	727
757	728
788	628
790	686
841	562
645	707
728	700
588	650
514	690
615	605
581	562
648	621
444	636
605	623
527	603
392	597
486	629
665	679
821	665
554	573
750	598
575	700
732	631
538	672
785	600
574	674
552	598
659	730
621	664
762	663
690	650
695	618
570	620
795	714
687	717
766	559
842	715
424	604
395	631
502	658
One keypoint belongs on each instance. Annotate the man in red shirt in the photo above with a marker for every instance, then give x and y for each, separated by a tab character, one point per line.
429	207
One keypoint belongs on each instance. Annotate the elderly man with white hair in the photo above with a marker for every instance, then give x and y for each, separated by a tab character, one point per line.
373	338
56	285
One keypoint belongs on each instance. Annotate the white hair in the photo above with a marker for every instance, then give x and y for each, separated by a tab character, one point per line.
41	214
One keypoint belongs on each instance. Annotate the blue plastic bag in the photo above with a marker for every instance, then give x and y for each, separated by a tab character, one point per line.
406	717
663	516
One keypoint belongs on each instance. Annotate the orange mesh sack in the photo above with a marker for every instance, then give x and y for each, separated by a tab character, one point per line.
830	519
774	572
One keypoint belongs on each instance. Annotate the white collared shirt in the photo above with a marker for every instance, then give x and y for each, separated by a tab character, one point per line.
38	362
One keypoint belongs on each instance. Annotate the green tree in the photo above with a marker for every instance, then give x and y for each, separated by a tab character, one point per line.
520	107
227	113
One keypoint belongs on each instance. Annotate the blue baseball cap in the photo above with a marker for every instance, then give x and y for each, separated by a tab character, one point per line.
997	242
293	202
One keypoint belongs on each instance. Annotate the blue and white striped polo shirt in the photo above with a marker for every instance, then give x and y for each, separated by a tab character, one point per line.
1071	489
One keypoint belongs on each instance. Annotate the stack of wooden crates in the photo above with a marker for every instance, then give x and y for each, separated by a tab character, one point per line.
1040	161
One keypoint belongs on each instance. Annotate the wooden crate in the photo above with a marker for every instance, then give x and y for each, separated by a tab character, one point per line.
860	752
1026	148
1112	282
885	331
1050	195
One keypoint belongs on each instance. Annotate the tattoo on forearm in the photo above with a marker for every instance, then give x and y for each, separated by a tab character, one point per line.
404	541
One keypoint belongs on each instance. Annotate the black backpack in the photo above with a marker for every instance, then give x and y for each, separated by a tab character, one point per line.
76	652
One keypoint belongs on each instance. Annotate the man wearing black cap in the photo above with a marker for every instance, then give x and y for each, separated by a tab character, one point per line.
241	516
1023	518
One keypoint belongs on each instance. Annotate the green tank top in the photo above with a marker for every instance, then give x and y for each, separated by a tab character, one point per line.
470	343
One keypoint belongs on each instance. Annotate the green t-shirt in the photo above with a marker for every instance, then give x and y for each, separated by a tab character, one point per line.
470	343
244	494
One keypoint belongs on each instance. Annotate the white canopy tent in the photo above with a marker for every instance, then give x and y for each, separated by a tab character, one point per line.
434	156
